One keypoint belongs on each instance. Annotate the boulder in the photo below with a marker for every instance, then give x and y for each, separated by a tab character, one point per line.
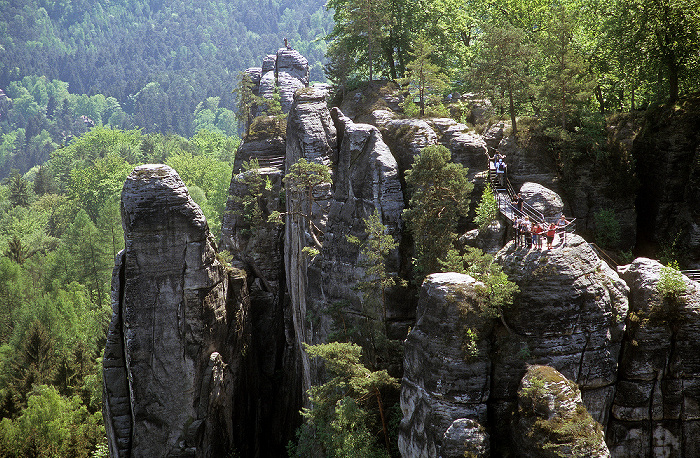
551	420
489	239
542	199
447	371
467	147
655	410
406	138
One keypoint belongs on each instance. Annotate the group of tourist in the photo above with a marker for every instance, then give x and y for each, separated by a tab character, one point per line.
500	168
529	234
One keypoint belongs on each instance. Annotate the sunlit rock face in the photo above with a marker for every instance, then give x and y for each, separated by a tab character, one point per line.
570	315
655	410
444	391
284	72
551	419
168	358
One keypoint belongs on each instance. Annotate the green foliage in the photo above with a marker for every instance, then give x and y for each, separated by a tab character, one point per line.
424	79
607	228
51	425
487	211
374	252
671	284
498	291
341	420
502	66
439	192
304	179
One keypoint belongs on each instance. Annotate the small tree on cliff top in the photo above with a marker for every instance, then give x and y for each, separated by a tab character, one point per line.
423	77
305	178
439	196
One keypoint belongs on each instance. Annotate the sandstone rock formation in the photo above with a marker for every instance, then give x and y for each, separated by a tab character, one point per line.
542	199
443	384
365	179
655	410
570	315
551	419
666	152
286	71
174	341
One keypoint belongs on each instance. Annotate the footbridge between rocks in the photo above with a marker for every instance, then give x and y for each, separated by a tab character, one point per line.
506	198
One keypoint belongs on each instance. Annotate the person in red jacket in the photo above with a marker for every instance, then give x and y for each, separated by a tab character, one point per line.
550	235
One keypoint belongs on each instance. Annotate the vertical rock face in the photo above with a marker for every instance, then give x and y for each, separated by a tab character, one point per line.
166	362
570	315
656	410
273	396
365	178
666	152
444	389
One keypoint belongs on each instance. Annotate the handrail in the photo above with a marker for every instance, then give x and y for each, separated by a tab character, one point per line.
694	275
604	255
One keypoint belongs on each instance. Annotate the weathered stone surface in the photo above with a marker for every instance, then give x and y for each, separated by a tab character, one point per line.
441	383
274	393
552	421
170	315
489	239
656	398
465	437
292	72
542	199
406	138
381	118
286	71
569	315
360	104
269	151
665	153
467	147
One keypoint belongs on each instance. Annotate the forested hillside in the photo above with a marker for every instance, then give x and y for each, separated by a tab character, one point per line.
60	229
159	66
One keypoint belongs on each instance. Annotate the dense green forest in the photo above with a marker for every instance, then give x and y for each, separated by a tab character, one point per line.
166	67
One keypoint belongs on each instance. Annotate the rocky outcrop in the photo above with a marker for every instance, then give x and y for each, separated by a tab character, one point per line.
406	138
467	147
365	179
284	72
447	381
542	199
274	395
655	410
569	315
666	153
551	420
177	329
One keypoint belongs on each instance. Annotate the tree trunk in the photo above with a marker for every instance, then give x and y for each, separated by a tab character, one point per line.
672	77
511	107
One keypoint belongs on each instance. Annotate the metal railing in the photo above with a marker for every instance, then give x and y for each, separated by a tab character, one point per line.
692	274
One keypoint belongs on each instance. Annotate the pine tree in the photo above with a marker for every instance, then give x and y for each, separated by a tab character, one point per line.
423	77
439	196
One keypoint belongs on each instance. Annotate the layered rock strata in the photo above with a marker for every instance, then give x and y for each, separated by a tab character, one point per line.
655	410
283	72
176	329
365	179
445	389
